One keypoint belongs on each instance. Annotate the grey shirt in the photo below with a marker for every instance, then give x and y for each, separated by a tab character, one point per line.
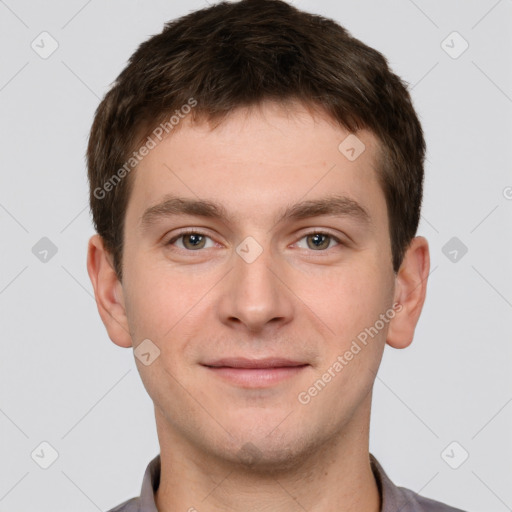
394	499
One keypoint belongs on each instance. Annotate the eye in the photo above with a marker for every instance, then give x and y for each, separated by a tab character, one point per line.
191	240
318	241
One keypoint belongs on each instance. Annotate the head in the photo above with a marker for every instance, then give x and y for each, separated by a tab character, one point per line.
294	158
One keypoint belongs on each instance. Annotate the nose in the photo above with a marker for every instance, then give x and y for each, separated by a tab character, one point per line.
255	296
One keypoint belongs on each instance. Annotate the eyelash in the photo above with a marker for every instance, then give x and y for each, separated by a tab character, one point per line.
200	233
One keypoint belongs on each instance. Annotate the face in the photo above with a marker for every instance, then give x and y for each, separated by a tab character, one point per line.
257	284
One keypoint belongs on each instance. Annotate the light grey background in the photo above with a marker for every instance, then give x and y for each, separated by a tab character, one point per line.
64	382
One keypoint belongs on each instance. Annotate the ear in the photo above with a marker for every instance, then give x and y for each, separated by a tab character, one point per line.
410	292
108	292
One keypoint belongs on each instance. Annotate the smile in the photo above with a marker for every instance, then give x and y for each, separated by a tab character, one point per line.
253	373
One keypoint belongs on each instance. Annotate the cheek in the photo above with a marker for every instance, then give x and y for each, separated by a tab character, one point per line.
163	303
153	302
349	299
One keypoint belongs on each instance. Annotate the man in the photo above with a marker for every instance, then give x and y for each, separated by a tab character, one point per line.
256	181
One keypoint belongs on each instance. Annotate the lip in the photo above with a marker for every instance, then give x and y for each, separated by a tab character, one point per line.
255	373
243	362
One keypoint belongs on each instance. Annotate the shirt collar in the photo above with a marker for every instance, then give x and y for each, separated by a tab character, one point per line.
391	497
150	484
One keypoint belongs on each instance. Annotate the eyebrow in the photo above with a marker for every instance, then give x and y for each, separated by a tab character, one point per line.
331	206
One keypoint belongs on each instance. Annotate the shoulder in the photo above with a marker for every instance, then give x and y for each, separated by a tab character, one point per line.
413	502
145	502
400	499
131	505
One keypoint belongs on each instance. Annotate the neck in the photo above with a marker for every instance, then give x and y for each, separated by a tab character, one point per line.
335	477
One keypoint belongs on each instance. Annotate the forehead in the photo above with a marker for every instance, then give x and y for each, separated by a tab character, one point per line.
258	159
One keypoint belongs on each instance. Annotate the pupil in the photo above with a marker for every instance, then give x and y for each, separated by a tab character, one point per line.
319	240
195	239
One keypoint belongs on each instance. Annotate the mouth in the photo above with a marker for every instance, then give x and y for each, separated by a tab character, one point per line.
255	373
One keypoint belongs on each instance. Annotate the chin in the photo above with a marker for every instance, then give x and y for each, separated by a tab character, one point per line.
271	454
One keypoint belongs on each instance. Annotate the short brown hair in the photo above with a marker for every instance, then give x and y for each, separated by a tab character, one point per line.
232	55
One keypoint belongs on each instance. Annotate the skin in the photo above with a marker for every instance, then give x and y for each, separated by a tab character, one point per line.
225	446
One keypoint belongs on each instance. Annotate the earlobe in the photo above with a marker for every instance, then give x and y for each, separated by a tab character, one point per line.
410	293
107	292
